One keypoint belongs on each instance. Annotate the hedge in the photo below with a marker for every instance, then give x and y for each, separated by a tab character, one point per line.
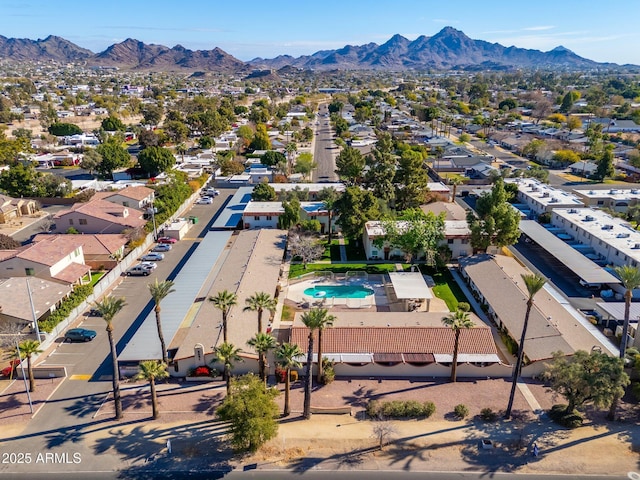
400	409
75	298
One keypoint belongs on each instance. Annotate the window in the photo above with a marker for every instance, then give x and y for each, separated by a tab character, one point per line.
600	202
125	204
465	241
450	241
71	221
30	271
268	217
82	221
256	217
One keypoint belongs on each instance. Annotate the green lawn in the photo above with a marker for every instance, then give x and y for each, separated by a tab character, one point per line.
446	288
95	277
298	269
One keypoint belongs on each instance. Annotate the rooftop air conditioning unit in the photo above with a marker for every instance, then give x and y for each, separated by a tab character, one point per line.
636	246
573	210
589	218
545	194
634	191
607	227
622	235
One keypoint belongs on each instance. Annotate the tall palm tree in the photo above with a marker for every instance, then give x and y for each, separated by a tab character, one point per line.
455	181
152	370
27	349
630	278
223	301
287	353
534	284
329	197
457	321
314	319
259	302
324	321
227	354
262	343
159	290
108	308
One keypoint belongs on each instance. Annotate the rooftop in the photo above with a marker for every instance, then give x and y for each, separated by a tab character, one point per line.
545	195
612	193
14	296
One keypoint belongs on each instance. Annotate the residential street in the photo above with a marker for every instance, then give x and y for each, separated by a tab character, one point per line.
325	149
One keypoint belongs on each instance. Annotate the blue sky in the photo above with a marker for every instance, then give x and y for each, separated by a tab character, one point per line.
600	31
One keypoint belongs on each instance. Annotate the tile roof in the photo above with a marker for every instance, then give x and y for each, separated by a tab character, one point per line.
108	211
14	296
433	340
49	252
136	193
92	244
72	273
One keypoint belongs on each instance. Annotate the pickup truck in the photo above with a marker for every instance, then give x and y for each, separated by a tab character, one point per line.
138	270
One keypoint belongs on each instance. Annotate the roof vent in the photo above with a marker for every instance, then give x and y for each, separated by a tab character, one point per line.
622	235
589	218
636	246
607	227
634	191
573	210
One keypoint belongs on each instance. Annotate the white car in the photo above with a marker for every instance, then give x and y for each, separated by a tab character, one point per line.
152	257
212	192
149	265
205	201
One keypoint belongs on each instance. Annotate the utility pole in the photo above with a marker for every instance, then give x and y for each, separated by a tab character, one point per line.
33	311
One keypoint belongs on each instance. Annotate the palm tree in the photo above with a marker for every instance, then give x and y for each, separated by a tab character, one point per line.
534	284
291	148
152	370
223	301
227	354
455	181
262	343
329	197
457	321
325	320
259	302
287	354
314	319
159	290
108	309
630	278
27	349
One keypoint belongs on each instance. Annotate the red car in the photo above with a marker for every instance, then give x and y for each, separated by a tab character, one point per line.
6	372
167	240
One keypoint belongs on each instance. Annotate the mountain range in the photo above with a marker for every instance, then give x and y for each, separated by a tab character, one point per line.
448	49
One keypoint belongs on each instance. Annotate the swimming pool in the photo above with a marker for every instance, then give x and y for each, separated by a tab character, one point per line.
338	291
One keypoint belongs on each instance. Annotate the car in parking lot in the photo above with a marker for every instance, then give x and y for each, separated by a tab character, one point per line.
161	247
137	270
205	201
79	335
152	257
167	240
212	192
149	265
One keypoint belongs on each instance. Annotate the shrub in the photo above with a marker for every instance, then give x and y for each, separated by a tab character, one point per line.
400	409
328	373
75	298
559	415
293	376
461	411
488	415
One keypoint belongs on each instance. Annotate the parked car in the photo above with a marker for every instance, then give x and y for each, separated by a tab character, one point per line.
205	201
6	371
167	240
149	265
152	257
212	191
161	247
137	271
80	335
94	312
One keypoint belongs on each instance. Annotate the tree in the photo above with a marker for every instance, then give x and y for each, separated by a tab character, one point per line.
108	308
605	164
382	169
291	149
287	354
355	208
306	247
260	139
227	354
335	106
8	243
412	181
263	192
582	378
456	322
262	343
113	124
154	160
350	165
630	278
19	181
259	302
61	129
304	164
573	123
152	114
568	100
415	232
91	160
496	223
534	284
148	138
251	411
455	181
223	301
291	214
566	157
152	370
176	131
272	158
159	290
382	430
317	319
28	348
328	196
114	156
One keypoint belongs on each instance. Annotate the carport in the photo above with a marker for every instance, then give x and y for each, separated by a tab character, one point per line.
588	271
411	288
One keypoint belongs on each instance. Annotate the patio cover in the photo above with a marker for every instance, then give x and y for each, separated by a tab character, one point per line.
410	285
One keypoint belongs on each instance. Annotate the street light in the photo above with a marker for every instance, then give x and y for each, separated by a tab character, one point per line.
151	209
30	272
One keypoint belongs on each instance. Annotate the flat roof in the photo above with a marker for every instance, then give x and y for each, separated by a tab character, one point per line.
312	187
410	285
543	194
586	269
144	345
262	208
231	215
612	193
615	310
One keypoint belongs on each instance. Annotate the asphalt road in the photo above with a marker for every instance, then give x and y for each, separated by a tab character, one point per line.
71	411
325	150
